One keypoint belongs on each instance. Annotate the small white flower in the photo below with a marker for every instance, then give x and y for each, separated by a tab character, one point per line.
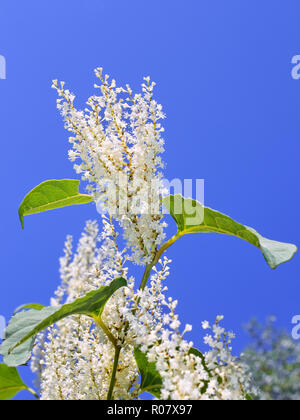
205	325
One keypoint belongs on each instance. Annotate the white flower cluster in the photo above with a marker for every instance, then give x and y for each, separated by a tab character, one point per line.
186	373
118	139
74	359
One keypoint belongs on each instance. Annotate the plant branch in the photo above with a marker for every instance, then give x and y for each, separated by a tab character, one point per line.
157	257
114	372
111	338
165	246
33	393
146	276
142	287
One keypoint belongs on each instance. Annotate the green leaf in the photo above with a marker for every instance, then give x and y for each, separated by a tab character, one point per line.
52	195
24	326
151	380
36	306
198	353
192	217
10	382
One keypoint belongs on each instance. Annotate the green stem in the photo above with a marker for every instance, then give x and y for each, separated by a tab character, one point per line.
33	393
113	340
146	276
166	246
107	332
114	372
157	258
142	287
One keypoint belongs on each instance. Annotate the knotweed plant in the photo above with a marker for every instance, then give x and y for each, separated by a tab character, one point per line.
107	334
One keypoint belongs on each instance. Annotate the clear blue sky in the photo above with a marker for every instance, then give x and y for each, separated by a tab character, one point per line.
223	70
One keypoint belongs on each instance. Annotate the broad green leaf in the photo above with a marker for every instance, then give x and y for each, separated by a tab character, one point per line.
24	326
52	195
151	380
10	382
192	217
36	306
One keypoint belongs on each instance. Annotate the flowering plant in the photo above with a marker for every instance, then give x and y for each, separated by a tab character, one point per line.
107	335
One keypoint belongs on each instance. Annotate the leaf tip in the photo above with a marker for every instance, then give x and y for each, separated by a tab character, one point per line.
280	256
21	217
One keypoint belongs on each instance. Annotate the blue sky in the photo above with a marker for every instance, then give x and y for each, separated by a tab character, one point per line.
223	71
